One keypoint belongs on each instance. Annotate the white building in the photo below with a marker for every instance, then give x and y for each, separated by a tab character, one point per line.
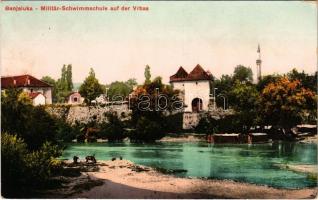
37	98
75	98
28	84
194	88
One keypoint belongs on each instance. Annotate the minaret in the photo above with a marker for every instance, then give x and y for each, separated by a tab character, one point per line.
259	65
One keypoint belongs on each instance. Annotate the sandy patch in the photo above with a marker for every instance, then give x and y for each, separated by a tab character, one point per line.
124	179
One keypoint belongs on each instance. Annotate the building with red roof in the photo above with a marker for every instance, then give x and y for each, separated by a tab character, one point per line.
194	88
75	98
31	85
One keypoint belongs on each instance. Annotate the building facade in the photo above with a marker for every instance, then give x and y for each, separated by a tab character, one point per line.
75	98
30	85
194	88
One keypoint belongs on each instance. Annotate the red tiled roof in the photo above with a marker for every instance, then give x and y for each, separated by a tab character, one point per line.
32	95
22	81
180	75
198	73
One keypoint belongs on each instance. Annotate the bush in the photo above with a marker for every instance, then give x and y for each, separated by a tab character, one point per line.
147	130
207	125
13	170
113	130
41	164
22	170
33	124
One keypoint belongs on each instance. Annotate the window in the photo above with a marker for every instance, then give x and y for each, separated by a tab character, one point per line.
75	99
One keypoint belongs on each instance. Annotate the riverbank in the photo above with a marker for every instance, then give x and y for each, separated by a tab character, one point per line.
123	179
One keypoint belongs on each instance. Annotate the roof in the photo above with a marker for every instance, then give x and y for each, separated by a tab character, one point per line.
74	93
180	75
33	95
198	73
22	81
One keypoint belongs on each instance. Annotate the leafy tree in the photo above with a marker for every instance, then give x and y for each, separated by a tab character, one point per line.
148	110
91	88
266	80
132	82
147	75
306	80
286	103
243	74
224	85
245	103
53	83
118	89
18	116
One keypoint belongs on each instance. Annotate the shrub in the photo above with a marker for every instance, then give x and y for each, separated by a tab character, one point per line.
207	125
113	130
147	130
41	164
22	170
13	170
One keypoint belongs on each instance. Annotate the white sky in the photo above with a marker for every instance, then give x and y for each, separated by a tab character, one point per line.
118	45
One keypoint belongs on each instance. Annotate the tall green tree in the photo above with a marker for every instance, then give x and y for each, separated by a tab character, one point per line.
245	103
64	85
147	75
91	88
69	77
224	86
243	74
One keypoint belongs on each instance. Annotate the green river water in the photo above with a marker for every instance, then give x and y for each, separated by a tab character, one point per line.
240	162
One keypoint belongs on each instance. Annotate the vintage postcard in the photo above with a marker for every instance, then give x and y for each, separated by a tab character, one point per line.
159	99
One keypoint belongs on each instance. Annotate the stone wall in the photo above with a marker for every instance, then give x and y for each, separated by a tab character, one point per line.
191	120
86	114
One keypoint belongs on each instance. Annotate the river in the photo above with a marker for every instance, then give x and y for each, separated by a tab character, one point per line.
240	162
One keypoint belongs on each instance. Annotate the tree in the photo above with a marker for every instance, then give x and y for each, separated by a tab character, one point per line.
266	80
148	109
243	74
147	75
33	124
91	88
224	85
69	77
306	80
285	103
64	84
117	89
132	82
53	83
245	104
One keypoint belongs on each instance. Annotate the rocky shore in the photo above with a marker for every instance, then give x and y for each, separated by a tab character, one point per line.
124	179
